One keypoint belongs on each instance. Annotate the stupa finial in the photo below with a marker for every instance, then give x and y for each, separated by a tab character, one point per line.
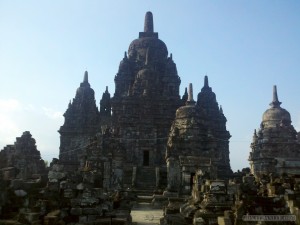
86	77
206	81
148	25
275	103
190	99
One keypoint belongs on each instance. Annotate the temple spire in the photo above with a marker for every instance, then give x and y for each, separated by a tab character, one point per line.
254	138
85	82
190	99
86	77
206	86
148	25
206	81
275	103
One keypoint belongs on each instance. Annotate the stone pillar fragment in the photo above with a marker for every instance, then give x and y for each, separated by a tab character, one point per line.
173	175
157	174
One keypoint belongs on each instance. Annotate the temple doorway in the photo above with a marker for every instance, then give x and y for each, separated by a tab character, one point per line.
146	158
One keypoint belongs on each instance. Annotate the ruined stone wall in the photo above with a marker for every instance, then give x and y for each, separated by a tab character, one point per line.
23	156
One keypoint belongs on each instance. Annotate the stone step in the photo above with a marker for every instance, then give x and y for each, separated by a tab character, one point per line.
145	198
146	174
143	192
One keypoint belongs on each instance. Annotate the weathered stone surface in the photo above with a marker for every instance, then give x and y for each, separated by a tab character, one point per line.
92	211
76	211
69	193
198	139
56	176
75	202
23	156
16	184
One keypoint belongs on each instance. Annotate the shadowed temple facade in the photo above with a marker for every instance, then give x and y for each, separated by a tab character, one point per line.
145	106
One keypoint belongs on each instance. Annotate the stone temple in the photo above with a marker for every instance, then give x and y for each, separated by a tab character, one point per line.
275	147
198	139
148	147
140	114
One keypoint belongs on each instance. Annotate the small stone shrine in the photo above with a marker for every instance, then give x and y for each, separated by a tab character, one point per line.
275	147
198	139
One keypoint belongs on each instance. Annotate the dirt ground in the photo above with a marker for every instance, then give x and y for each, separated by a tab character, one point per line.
143	214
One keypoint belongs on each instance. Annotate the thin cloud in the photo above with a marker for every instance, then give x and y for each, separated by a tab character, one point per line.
9	128
52	114
30	108
8	105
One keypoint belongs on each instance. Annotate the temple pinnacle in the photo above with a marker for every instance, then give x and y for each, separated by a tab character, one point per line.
148	25
221	109
190	99
206	81
86	77
275	103
254	138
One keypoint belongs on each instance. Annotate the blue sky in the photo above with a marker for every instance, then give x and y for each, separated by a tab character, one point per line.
245	47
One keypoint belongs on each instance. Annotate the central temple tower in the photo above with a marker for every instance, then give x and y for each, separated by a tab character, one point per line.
146	98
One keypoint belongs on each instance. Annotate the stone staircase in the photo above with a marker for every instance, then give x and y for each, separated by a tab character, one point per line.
145	178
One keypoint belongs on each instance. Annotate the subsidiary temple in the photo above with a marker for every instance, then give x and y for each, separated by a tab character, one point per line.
147	144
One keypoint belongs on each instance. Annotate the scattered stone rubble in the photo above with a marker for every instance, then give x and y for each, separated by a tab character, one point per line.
67	197
228	202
